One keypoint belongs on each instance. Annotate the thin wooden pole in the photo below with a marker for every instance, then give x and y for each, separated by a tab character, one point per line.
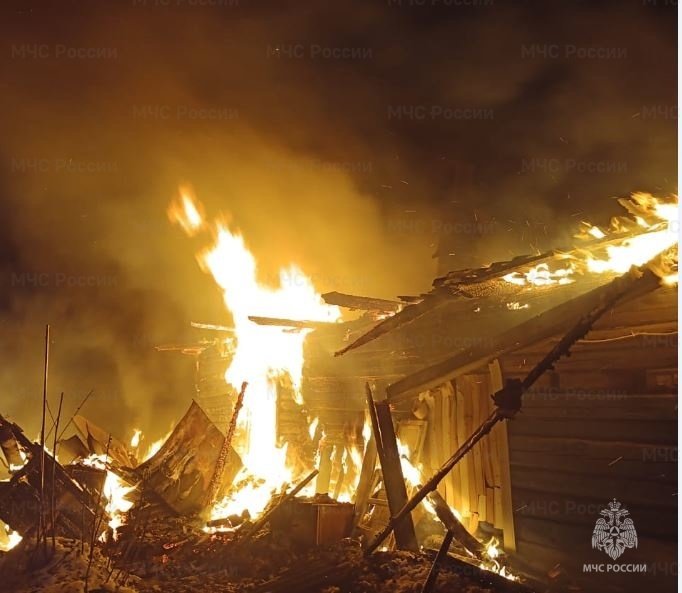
435	567
41	519
53	506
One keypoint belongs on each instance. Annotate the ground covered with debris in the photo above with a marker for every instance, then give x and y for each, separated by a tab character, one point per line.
176	556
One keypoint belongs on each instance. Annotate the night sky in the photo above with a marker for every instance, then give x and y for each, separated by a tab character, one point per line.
360	139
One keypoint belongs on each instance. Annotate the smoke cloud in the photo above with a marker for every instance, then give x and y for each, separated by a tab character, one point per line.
358	140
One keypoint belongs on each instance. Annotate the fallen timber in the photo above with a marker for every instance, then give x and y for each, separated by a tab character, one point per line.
435	567
293	323
391	470
508	399
75	509
361	303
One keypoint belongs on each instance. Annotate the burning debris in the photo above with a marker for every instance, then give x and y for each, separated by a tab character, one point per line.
352	510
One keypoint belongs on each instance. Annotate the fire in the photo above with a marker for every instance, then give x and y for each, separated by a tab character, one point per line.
153	449
186	213
135	440
114	492
15	468
541	275
9	538
634	240
312	428
265	356
493	553
492	550
657	224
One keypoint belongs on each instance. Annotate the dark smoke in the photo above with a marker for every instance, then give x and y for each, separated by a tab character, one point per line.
320	159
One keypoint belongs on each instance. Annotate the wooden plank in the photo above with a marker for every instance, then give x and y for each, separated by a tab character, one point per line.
634	491
584	510
507	519
394	482
477	452
634	430
350	301
456	500
444	438
464	464
542	558
615	458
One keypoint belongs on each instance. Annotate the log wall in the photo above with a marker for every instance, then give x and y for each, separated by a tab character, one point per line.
603	425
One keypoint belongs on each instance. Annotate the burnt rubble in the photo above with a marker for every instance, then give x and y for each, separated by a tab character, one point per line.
166	542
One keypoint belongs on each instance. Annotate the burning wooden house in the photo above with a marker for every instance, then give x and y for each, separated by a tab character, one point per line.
391	428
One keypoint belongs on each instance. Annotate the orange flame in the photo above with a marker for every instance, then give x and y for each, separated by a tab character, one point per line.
264	356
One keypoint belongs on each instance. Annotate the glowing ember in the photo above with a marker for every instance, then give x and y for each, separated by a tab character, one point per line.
265	356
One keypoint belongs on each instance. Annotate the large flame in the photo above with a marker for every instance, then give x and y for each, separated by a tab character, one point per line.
650	229
264	356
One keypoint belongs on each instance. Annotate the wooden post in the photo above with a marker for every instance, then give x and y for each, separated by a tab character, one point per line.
391	471
53	505
435	567
41	519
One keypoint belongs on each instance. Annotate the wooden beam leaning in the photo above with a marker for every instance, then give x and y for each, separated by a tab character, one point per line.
391	470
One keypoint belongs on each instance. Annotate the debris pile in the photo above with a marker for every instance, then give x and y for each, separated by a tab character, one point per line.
120	525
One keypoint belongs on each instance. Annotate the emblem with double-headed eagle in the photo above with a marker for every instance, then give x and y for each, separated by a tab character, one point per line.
614	531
